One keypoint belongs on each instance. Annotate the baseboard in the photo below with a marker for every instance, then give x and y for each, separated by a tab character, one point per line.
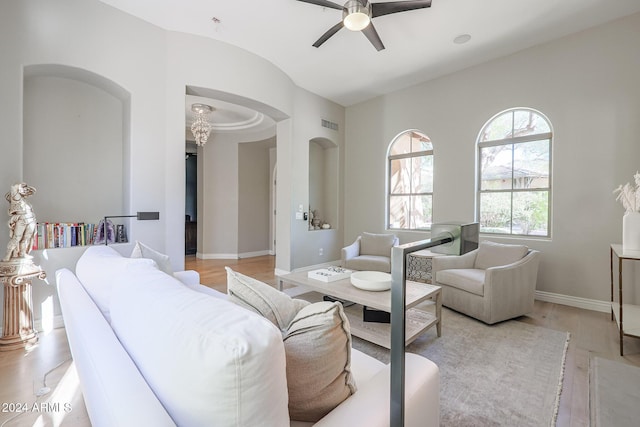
200	255
587	304
254	254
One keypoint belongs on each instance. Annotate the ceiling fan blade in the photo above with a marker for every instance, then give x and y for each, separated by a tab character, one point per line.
323	3
328	34
372	35
385	8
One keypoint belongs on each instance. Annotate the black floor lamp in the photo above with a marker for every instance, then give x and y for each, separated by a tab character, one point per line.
140	216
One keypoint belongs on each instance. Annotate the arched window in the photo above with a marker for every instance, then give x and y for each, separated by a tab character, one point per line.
410	182
514	174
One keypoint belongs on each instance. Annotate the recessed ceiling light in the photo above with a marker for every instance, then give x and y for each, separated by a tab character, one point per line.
462	39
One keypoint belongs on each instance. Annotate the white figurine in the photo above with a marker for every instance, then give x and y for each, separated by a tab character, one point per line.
22	222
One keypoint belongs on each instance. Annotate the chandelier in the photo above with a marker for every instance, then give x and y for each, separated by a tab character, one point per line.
200	127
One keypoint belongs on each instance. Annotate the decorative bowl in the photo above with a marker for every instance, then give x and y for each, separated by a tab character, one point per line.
371	280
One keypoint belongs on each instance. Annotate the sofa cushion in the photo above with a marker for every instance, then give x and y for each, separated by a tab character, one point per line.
318	349
491	254
209	361
262	299
317	341
96	269
376	244
369	263
140	250
466	279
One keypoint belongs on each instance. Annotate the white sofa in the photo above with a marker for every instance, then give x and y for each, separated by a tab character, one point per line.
178	353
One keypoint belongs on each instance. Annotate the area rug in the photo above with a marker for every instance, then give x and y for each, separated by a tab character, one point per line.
614	393
508	374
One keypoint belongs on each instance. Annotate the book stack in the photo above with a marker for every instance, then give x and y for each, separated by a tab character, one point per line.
63	235
329	274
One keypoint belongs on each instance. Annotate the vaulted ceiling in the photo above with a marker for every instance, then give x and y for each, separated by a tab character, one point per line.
419	44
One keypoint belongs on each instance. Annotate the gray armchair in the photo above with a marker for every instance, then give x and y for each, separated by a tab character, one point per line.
370	252
493	283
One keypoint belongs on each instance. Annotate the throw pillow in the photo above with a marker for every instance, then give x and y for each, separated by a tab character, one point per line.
263	299
491	254
317	341
376	244
317	345
140	250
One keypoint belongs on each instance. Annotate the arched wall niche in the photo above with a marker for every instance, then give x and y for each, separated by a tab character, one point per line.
323	183
76	143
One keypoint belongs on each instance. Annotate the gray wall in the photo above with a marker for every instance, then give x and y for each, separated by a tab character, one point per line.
233	181
586	84
73	150
306	244
254	191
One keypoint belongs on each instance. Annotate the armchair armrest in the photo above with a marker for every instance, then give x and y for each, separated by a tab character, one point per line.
188	277
512	287
351	251
370	406
453	261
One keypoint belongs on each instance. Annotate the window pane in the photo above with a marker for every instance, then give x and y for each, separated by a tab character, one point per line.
400	180
420	142
402	144
399	212
531	164
531	213
422	174
495	212
495	167
498	128
527	122
421	212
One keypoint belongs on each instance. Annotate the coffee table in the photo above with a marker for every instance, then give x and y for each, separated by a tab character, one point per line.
417	320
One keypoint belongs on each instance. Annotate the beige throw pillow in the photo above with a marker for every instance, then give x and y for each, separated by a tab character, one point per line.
263	299
317	341
376	244
317	345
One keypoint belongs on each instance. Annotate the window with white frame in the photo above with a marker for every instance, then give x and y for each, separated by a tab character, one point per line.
514	174
410	182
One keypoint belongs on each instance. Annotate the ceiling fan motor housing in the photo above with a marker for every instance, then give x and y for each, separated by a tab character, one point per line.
355	15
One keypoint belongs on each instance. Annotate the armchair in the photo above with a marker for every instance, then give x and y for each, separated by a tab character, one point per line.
370	252
493	283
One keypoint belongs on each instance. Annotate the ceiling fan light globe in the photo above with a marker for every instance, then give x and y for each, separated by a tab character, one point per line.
357	21
355	15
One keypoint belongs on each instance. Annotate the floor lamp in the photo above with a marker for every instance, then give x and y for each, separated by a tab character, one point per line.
453	239
140	216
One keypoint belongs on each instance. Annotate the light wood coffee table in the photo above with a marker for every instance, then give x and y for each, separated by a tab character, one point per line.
417	320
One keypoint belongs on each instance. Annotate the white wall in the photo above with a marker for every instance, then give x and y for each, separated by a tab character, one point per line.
586	84
155	68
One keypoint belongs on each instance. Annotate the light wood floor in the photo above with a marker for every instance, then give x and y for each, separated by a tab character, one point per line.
22	372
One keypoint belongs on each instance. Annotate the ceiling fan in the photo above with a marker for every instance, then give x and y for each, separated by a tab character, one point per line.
357	15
